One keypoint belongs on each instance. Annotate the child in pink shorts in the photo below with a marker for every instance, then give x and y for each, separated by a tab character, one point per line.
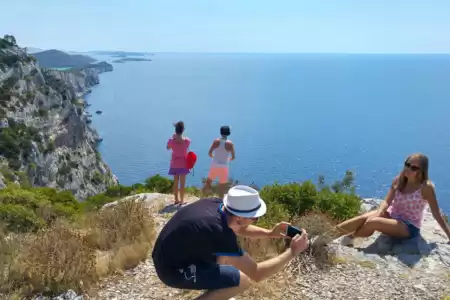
222	149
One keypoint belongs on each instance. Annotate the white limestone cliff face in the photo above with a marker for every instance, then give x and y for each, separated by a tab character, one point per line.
50	101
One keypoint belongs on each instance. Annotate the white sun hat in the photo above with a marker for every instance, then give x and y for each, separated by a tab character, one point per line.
243	201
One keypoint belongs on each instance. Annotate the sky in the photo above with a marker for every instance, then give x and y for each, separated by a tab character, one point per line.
336	26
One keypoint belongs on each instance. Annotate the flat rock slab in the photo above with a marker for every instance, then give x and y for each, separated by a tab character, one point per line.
155	200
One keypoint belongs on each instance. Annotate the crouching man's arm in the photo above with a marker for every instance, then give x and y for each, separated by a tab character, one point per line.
262	270
253	231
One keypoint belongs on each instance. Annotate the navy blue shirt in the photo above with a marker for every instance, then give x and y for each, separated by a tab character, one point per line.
197	233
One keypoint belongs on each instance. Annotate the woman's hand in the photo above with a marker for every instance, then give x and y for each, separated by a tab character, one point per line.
279	231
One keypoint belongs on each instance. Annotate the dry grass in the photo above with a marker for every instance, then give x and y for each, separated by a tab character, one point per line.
76	256
321	231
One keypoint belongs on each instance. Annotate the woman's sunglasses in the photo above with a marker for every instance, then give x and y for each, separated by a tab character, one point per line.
411	167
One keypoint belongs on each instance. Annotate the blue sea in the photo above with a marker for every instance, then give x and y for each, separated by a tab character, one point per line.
293	116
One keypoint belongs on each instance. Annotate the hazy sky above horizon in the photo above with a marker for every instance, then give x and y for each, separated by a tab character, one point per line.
415	26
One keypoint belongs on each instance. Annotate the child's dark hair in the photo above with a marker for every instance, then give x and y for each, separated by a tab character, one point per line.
225	130
179	127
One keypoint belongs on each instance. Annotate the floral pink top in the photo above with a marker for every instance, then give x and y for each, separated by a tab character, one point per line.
179	152
408	207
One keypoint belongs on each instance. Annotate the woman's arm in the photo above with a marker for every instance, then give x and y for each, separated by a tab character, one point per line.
169	144
388	199
429	194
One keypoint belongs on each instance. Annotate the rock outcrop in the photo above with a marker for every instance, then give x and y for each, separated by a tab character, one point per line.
47	134
380	267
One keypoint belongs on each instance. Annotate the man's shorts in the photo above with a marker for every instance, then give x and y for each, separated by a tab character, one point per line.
200	277
218	172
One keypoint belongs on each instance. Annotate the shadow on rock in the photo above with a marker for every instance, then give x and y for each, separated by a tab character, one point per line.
409	251
170	208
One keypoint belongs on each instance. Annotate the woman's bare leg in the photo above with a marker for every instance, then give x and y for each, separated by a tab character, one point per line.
175	187
390	227
182	186
352	225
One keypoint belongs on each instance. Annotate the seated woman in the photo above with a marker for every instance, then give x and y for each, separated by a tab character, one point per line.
401	214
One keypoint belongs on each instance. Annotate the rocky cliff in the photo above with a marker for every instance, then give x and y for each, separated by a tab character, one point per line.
45	137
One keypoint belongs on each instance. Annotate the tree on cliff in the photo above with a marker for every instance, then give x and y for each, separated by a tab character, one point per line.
10	39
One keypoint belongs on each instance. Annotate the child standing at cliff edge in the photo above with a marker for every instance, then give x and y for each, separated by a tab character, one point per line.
179	145
222	148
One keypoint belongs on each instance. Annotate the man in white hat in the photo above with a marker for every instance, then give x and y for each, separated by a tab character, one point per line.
198	248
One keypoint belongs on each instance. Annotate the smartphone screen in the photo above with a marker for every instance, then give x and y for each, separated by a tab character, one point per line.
293	231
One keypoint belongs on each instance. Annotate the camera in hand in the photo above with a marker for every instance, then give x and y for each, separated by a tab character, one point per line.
293	231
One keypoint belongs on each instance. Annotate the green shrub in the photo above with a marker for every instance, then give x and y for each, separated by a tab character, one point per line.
9	60
14	163
19	196
340	206
8	174
36	207
192	190
119	191
64	170
18	218
339	201
276	212
297	198
23	180
42	112
50	147
16	141
159	184
97	201
97	178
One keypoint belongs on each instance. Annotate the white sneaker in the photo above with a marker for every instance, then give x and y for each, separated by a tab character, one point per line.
347	240
232	299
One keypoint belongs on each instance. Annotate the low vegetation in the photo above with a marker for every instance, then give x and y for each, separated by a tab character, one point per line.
50	242
16	142
65	248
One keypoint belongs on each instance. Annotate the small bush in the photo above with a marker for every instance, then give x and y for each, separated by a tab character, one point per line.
19	218
76	255
41	112
50	147
297	198
321	231
97	178
339	202
97	201
64	170
119	191
54	261
125	222
16	141
8	174
30	209
159	184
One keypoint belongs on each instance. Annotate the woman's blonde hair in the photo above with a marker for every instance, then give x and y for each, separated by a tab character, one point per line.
402	180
